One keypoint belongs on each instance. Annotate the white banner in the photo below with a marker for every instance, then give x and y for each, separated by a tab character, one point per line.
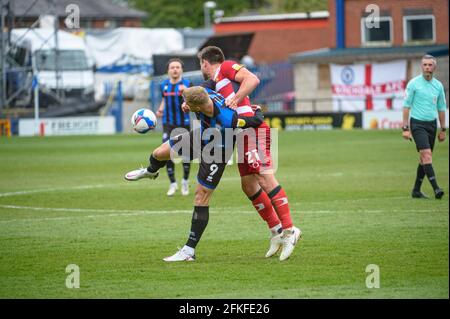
377	86
386	120
382	120
89	125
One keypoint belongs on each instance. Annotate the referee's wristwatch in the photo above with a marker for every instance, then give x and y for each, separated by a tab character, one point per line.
443	129
405	128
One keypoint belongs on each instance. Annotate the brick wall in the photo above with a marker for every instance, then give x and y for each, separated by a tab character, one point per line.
354	11
332	23
274	45
274	41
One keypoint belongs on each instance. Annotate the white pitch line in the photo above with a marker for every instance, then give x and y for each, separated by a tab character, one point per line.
89	210
125	213
113	213
116	213
45	190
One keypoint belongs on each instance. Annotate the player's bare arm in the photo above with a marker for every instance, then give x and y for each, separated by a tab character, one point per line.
406	131
160	111
442	132
248	82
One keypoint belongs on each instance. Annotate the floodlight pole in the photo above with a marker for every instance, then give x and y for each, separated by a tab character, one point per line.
207	6
57	58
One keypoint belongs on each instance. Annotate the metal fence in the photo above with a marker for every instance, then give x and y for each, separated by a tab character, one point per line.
276	88
275	93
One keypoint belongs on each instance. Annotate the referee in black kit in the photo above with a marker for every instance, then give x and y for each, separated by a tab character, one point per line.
424	99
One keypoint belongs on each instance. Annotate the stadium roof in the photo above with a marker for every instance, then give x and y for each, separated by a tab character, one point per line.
344	55
88	9
234	46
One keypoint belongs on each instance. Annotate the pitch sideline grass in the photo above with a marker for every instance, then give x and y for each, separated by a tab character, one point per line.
63	201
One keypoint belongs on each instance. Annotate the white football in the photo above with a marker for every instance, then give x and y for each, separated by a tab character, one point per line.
143	120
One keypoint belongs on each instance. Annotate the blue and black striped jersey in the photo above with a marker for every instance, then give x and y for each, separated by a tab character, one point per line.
223	117
172	95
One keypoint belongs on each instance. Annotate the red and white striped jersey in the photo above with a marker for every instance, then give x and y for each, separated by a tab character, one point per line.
227	86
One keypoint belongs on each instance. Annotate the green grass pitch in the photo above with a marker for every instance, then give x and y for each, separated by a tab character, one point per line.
63	200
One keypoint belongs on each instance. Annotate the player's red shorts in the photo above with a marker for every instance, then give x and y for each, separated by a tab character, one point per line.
254	150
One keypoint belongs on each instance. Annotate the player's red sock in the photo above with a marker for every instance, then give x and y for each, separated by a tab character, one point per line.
281	205
262	204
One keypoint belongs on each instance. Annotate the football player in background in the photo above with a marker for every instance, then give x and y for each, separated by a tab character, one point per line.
214	117
173	117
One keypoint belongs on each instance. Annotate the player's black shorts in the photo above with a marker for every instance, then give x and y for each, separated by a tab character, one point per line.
424	133
168	128
213	157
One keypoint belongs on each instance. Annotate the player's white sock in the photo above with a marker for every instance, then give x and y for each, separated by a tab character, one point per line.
189	250
277	229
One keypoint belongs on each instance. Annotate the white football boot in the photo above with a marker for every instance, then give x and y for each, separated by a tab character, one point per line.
184	187
180	255
172	189
140	173
290	238
275	244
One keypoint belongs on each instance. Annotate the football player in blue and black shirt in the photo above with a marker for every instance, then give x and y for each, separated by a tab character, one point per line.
209	107
173	117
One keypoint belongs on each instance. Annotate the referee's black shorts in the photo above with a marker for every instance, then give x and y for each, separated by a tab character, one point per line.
424	133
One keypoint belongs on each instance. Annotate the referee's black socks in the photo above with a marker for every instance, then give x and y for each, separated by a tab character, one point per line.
429	171
419	178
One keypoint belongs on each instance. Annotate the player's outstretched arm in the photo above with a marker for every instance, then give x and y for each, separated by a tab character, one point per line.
248	82
250	121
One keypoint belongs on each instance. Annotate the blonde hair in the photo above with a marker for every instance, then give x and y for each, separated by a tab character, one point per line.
195	96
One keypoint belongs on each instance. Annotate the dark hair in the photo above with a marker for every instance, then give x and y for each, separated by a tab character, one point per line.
211	54
174	60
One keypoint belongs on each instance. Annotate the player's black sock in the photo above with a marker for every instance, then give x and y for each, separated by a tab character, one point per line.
171	171
429	171
186	169
419	178
155	164
199	221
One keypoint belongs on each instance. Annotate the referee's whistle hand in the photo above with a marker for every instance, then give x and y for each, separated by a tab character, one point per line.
406	135
441	136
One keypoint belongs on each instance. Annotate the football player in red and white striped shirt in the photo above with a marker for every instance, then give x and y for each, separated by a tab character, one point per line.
258	181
